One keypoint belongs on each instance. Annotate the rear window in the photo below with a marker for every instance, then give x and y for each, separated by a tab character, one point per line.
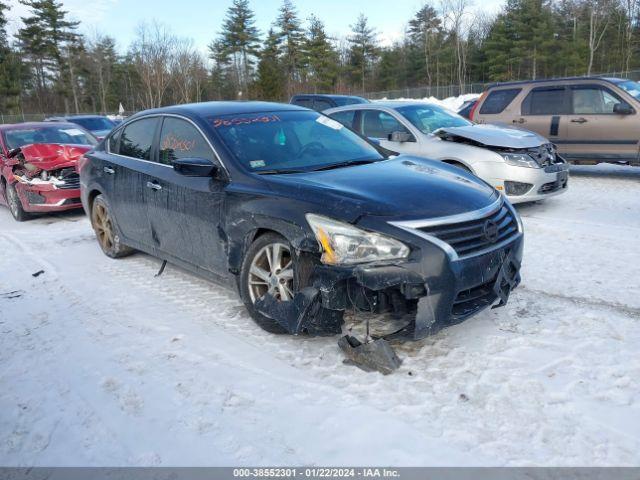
95	123
498	100
303	102
545	101
137	138
321	104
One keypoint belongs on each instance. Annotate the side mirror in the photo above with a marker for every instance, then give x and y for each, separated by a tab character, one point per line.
622	109
400	137
195	167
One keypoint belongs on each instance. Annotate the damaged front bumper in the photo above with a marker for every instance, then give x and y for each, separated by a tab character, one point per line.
52	195
439	285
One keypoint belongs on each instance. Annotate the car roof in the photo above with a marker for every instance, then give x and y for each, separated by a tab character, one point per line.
551	80
206	109
28	125
384	104
327	95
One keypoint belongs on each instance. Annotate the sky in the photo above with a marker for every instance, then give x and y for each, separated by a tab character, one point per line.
201	19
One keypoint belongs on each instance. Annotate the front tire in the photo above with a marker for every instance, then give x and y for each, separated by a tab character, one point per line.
269	266
15	205
106	232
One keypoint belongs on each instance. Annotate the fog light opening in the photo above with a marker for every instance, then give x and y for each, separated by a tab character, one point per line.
516	188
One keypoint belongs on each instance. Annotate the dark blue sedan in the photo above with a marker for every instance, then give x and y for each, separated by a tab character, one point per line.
304	217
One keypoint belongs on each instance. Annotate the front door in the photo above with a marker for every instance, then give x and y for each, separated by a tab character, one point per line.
185	213
379	125
595	132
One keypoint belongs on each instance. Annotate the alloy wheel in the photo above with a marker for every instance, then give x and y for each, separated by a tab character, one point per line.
272	272
103	226
13	200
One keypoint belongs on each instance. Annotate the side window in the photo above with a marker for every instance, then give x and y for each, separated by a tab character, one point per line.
320	104
345	118
137	138
180	139
545	101
498	100
113	142
592	99
378	124
303	102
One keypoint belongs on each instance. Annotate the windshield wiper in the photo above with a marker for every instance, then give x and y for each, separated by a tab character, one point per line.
350	163
276	171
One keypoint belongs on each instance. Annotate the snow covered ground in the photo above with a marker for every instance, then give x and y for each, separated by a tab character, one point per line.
452	103
103	364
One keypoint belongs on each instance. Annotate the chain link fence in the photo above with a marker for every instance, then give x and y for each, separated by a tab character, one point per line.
436	91
445	91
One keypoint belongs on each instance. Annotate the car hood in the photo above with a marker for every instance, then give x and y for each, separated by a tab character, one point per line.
403	187
49	156
493	136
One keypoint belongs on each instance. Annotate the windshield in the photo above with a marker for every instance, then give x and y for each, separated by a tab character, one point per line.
94	124
66	135
631	87
428	118
290	141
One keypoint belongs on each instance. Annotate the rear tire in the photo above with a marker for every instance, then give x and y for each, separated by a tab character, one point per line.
103	224
269	266
15	205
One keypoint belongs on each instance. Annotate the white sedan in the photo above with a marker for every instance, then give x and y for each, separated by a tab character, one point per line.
523	165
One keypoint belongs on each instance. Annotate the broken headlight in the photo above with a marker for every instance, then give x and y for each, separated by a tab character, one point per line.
520	160
344	244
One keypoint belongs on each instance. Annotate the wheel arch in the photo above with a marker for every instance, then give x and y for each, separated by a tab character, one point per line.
458	163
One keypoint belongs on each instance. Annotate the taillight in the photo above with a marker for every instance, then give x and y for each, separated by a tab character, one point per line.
472	112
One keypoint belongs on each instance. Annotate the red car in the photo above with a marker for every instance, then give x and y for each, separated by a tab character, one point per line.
39	167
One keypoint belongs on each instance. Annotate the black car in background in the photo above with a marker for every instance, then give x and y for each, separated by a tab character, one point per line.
321	102
303	216
99	125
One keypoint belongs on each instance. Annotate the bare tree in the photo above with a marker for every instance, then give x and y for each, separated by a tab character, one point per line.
153	51
631	9
598	11
454	13
187	67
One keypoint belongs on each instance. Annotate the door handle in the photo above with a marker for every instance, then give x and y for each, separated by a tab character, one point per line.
154	186
109	170
579	120
520	120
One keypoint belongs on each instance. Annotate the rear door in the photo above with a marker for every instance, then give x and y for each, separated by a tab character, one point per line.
186	213
131	168
595	131
544	111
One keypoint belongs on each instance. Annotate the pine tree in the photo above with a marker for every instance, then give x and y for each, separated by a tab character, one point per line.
10	69
423	29
44	39
364	49
240	39
271	80
321	58
291	44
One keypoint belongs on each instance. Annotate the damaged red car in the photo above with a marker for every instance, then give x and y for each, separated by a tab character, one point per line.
39	167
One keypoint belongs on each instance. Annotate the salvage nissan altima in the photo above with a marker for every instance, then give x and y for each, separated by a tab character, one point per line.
307	219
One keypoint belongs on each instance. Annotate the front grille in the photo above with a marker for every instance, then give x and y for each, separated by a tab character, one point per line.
70	177
469	301
473	236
